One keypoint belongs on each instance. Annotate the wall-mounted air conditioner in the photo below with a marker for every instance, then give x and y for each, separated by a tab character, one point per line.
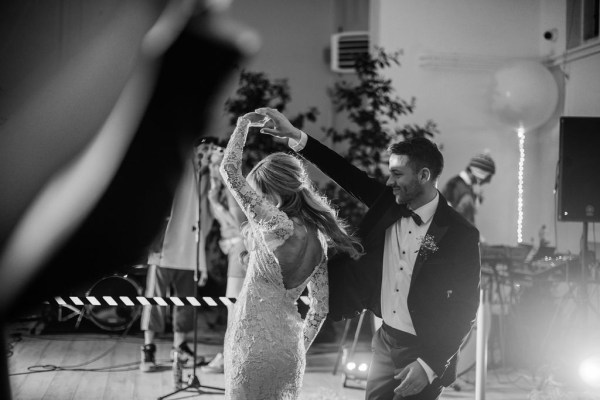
345	47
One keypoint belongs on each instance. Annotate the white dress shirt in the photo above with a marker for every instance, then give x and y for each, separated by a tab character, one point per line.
298	145
402	243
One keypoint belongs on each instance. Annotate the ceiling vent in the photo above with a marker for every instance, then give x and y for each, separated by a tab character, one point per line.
345	47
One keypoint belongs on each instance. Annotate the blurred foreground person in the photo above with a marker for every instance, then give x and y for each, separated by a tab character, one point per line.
420	272
290	226
75	142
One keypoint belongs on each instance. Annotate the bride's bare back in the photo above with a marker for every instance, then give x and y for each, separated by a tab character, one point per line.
299	255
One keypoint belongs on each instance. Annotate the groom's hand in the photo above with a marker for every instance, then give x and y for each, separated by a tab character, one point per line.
414	379
283	128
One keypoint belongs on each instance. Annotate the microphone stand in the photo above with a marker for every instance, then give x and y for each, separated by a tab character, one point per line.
193	381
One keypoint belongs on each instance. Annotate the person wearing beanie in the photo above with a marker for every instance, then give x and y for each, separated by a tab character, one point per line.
463	191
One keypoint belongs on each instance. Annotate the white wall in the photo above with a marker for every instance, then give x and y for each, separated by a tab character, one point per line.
295	36
471	39
295	45
553	15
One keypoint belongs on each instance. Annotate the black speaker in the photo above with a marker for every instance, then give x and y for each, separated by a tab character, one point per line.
579	169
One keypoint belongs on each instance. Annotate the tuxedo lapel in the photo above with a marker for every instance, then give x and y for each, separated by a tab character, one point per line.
379	218
389	217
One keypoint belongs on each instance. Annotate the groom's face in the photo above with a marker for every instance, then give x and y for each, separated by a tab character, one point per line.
403	179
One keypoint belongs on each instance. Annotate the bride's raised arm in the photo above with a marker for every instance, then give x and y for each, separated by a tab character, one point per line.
275	224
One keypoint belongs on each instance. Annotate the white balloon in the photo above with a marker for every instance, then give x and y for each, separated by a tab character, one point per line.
524	95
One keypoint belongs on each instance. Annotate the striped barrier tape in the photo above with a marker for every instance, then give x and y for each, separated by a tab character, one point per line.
150	301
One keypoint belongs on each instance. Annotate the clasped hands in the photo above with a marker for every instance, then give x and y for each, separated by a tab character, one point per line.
273	122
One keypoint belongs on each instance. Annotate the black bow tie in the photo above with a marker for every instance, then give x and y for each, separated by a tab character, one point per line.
405	212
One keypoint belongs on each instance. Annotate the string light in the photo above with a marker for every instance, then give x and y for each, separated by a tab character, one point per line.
521	136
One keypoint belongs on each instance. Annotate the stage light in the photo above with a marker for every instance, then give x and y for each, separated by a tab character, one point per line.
589	371
355	375
356	368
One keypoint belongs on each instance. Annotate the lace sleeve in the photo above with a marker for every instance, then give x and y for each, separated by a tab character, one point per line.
318	293
274	224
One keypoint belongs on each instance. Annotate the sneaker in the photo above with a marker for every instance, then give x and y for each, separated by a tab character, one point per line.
148	363
186	355
215	366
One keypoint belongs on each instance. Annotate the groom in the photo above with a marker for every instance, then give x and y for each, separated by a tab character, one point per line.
421	269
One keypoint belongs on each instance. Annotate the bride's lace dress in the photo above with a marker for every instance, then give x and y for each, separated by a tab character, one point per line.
266	340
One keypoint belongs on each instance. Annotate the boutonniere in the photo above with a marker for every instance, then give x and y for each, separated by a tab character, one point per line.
427	246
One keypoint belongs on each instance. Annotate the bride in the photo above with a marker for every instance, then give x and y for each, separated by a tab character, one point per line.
290	226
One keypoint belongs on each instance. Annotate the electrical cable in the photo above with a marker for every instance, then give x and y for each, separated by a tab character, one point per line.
77	367
16	338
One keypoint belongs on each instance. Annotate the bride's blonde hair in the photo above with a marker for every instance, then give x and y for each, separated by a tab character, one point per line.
282	179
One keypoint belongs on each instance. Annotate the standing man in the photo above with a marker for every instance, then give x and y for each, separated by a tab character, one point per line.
420	273
463	191
172	264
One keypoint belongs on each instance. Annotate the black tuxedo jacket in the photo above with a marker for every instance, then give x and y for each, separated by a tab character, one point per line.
444	290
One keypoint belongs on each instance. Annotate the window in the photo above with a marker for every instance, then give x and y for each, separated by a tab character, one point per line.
583	22
590	19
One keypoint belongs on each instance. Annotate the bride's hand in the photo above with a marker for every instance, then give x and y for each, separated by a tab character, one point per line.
283	128
256	119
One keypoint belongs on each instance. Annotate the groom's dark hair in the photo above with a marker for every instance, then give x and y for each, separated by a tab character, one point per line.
422	153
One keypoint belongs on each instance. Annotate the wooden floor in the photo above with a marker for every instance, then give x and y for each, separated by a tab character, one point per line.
84	360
